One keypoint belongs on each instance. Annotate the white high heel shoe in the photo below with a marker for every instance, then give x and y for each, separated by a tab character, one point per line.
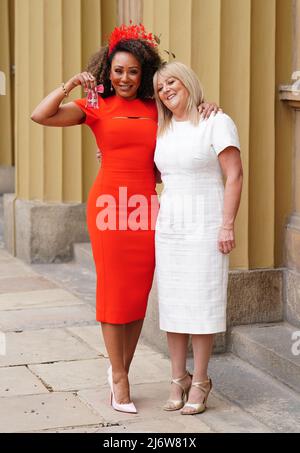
127	407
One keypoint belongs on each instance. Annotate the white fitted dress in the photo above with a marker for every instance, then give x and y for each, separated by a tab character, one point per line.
192	273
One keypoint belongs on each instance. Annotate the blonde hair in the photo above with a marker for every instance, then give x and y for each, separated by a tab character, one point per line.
191	82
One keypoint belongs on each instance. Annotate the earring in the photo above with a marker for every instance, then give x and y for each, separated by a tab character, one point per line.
111	87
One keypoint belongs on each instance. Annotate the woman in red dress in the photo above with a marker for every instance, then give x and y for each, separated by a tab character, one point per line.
121	206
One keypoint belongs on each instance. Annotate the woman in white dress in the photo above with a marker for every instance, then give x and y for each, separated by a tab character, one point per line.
195	227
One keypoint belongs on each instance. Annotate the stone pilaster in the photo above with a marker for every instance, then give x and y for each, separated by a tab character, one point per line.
290	94
6	101
130	10
55	167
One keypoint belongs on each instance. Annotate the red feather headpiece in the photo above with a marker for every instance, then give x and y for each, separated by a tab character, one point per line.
126	32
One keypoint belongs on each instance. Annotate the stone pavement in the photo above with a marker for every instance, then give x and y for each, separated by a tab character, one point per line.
53	369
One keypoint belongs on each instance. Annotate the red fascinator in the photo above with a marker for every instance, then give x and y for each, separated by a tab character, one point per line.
127	32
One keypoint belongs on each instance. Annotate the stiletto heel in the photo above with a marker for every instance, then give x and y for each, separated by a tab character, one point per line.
198	408
127	407
175	405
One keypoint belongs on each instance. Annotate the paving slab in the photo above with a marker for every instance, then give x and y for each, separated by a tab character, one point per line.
266	399
43	318
84	374
74	375
78	373
20	284
92	335
220	416
38	299
169	424
150	368
16	268
38	412
72	429
144	350
71	276
174	424
5	256
225	417
44	346
148	398
18	380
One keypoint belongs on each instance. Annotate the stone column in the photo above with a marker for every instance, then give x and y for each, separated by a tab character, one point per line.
55	167
2	83
290	94
130	10
6	128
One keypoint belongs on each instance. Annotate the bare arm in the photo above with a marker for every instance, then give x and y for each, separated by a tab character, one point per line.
50	112
231	164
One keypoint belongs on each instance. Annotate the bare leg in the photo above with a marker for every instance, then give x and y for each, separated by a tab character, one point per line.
113	335
131	335
202	348
178	343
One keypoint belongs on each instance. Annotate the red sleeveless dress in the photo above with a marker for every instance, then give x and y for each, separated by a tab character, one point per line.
122	206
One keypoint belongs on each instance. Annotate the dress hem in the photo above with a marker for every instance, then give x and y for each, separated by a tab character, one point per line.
194	331
120	322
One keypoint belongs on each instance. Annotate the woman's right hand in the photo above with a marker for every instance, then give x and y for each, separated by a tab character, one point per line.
226	240
51	111
86	79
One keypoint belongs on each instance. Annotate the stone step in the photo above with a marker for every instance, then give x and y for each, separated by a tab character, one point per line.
267	400
83	255
271	348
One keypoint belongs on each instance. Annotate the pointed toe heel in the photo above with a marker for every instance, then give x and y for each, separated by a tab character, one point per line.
127	407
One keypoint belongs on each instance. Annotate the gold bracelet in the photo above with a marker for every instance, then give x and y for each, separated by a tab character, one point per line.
64	90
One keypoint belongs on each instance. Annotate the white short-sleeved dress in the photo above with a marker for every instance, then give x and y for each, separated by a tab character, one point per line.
192	273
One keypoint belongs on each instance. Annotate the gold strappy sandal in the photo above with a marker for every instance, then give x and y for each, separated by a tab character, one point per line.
175	405
198	408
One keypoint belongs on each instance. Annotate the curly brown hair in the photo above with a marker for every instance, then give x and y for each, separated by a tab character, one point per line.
148	57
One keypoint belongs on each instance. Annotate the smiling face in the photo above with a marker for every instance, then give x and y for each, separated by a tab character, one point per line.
125	75
173	94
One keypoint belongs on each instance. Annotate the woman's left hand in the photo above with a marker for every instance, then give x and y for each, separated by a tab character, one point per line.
207	108
226	241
